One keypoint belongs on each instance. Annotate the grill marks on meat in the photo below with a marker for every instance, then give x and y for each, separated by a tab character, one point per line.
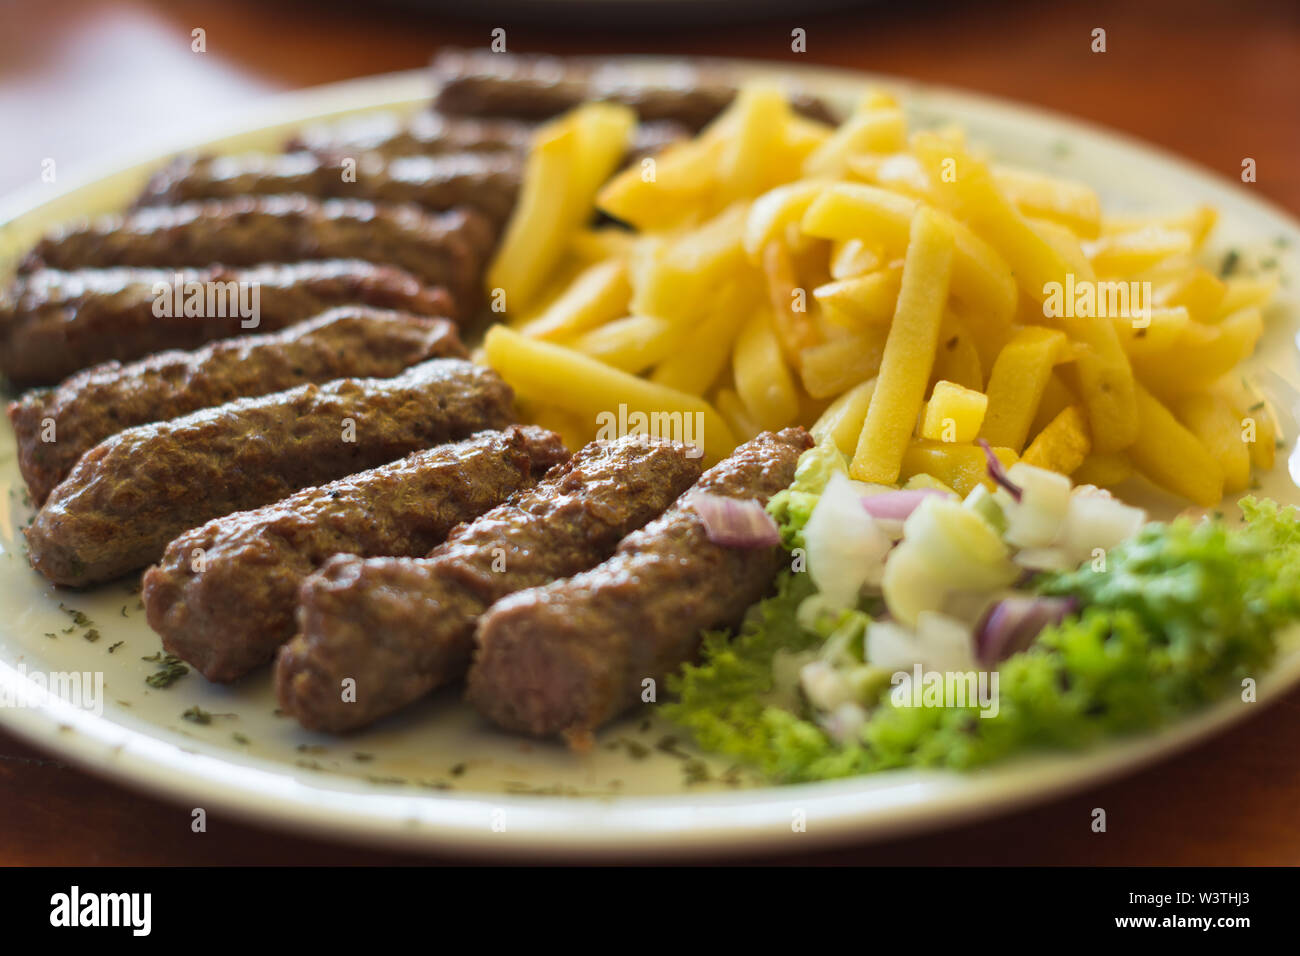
569	656
101	401
133	493
232	615
536	87
401	627
488	182
448	249
422	134
54	323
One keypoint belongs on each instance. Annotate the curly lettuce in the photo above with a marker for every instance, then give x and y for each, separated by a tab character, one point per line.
793	507
1177	618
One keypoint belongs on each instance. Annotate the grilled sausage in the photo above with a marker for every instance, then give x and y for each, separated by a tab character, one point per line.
55	427
425	133
54	323
488	182
569	656
401	626
448	249
231	615
133	493
481	83
431	134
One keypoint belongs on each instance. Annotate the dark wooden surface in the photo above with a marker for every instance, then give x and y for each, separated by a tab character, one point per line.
1211	80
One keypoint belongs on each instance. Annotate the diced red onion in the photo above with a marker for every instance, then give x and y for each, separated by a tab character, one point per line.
1011	625
735	522
998	473
896	505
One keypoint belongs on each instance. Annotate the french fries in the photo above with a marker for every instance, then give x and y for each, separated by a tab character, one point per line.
1063	445
598	295
1017	382
551	374
1198	291
763	381
666	191
1212	419
737	416
775	210
862	300
1204	354
1254	417
1128	252
841	363
1103	469
634	343
1171	456
953	413
695	366
795	328
842	421
960	467
957	357
751	159
1057	396
570	160
1244	292
1196	223
679	277
909	351
902	296
1074	205
852	258
877	127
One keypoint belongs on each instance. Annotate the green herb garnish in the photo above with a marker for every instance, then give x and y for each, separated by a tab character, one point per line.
170	670
197	715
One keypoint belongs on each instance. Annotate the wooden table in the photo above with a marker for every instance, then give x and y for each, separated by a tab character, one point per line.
1211	80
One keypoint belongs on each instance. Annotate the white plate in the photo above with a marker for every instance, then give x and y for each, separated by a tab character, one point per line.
610	803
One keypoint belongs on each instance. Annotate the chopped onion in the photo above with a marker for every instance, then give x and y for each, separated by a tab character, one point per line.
897	505
813	608
946	643
844	546
736	522
1044	559
939	643
998	473
824	686
891	646
945	548
1096	520
1013	623
845	722
969	607
1035	520
891	529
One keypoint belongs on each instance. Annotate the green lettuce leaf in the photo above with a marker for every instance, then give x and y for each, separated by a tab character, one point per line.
1179	616
792	507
